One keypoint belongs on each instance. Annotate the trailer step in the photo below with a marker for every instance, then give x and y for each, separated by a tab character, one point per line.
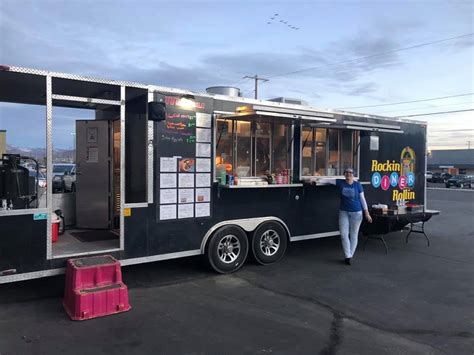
94	288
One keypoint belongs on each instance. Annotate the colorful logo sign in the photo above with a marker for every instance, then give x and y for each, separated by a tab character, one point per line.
398	175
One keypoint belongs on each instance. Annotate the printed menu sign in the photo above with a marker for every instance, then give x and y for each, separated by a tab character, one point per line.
186	180
167	212
167	180
186	195
203	135
186	211
203	165
203	120
167	196
168	165
203	209
203	195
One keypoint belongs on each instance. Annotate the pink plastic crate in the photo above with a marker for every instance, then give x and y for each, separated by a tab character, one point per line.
94	288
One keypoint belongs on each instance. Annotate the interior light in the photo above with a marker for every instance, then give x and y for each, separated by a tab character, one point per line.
186	103
241	109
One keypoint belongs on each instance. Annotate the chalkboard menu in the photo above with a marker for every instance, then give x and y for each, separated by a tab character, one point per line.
176	136
179	128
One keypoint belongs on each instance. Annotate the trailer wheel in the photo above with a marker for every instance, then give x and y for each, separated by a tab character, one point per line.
228	249
269	243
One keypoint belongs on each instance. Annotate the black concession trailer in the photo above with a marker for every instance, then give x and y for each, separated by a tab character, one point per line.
163	173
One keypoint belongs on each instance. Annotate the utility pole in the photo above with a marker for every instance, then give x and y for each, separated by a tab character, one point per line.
256	78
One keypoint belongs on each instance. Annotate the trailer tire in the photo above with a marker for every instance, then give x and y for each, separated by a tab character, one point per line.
228	249
269	242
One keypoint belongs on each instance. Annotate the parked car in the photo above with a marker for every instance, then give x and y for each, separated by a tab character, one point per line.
40	178
439	177
460	181
40	188
428	175
64	177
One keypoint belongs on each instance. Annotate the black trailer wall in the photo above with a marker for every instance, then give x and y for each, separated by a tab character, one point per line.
391	146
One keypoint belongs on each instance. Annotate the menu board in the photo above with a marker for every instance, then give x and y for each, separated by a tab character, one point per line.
179	128
184	147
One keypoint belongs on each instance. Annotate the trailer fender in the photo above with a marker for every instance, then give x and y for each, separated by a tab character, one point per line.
247	224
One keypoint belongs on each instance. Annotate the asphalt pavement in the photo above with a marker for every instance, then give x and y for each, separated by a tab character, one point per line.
413	300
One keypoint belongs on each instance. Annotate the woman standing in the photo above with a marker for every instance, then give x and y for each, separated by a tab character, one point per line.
350	212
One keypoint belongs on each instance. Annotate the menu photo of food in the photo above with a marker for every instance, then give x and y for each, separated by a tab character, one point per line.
186	165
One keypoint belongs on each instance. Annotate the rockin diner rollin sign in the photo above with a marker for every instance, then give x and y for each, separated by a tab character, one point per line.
400	176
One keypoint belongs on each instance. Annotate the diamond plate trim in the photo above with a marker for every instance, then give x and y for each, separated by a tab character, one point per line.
150	162
49	163
76	77
86	99
122	166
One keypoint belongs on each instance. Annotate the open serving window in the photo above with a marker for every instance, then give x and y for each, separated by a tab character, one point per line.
253	145
328	151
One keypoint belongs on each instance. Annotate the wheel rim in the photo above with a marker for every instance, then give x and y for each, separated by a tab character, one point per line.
269	242
228	249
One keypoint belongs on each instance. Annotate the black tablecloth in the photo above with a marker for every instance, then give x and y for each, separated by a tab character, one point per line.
384	224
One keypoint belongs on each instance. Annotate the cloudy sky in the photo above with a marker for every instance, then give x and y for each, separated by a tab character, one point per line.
325	52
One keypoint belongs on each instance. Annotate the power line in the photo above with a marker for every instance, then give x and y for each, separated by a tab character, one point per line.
434	113
372	55
407	102
425	107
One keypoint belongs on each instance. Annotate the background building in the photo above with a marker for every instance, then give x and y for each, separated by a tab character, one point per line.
3	142
453	161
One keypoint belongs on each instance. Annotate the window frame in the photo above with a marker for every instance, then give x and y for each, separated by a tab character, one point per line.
354	145
253	142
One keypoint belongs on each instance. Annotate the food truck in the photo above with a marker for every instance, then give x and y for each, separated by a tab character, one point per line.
164	173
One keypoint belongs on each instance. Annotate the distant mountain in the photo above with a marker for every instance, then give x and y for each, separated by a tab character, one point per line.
59	155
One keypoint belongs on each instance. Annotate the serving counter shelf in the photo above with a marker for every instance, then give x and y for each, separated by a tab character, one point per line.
259	186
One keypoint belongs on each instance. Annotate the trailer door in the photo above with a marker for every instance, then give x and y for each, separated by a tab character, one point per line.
93	174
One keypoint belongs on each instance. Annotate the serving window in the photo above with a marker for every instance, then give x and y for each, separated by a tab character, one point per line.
253	147
327	151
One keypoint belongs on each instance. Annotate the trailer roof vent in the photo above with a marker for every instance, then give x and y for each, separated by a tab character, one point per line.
287	100
224	90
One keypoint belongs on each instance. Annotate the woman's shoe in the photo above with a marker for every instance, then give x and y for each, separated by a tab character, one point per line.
347	261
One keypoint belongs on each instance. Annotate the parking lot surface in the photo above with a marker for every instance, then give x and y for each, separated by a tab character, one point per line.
414	300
